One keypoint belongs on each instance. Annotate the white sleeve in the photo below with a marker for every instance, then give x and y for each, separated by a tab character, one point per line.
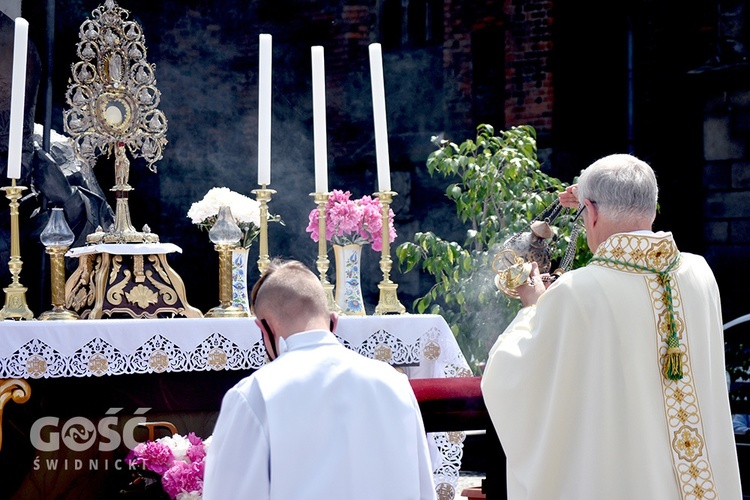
237	461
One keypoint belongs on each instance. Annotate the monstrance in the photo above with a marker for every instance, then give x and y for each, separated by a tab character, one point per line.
113	111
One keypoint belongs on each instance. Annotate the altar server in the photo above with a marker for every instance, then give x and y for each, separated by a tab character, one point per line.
610	384
320	421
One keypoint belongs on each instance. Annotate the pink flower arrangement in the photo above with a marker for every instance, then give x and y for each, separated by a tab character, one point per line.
352	221
179	460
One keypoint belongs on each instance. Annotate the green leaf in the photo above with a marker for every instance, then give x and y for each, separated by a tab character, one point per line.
497	186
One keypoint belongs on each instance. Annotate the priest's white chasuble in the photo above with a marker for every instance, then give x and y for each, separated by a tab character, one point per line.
577	390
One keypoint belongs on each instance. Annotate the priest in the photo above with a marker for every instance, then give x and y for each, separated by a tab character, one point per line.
320	421
610	383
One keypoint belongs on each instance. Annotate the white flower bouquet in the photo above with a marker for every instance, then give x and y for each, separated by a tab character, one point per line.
245	210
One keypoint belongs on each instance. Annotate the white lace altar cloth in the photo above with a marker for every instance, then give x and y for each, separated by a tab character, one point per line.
422	345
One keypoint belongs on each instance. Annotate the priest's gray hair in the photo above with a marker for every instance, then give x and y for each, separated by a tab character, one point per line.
289	289
622	187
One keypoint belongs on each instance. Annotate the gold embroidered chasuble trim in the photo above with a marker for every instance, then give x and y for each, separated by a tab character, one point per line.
681	407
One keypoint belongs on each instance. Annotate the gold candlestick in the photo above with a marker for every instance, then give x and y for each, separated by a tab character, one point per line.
225	234
323	263
57	238
388	302
225	309
57	273
263	196
15	294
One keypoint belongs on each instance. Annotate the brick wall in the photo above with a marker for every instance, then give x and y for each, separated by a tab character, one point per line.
525	55
726	181
528	74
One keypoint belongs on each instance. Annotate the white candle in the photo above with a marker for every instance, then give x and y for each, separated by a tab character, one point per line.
319	119
17	97
378	107
264	111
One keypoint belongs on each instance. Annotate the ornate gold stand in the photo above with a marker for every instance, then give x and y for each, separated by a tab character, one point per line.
139	285
388	302
15	294
16	389
263	196
123	230
225	309
323	263
57	271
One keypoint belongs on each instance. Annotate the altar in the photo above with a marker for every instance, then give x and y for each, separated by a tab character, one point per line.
92	382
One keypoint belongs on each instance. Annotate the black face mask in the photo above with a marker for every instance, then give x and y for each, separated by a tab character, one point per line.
271	340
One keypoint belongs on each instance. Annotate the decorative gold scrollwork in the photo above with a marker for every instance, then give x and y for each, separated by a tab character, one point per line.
17	390
158	268
115	293
167	292
116	265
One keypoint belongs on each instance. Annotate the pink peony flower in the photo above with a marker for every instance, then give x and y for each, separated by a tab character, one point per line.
196	451
352	221
178	459
154	456
183	477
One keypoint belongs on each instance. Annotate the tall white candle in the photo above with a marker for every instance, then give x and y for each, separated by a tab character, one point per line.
319	119
378	107
264	111
17	97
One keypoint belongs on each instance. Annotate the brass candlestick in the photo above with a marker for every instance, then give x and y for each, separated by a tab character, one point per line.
225	309
15	294
263	196
323	263
388	302
225	234
57	273
57	238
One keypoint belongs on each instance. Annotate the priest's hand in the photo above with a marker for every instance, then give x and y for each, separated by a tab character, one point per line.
569	197
534	287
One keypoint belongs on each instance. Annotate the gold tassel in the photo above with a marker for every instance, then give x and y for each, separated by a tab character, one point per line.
673	363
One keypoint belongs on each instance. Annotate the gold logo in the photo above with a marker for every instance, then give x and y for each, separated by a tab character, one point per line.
36	366
217	359
158	361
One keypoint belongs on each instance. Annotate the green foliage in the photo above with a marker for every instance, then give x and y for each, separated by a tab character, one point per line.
498	189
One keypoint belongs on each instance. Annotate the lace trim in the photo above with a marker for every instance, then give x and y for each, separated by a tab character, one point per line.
36	359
